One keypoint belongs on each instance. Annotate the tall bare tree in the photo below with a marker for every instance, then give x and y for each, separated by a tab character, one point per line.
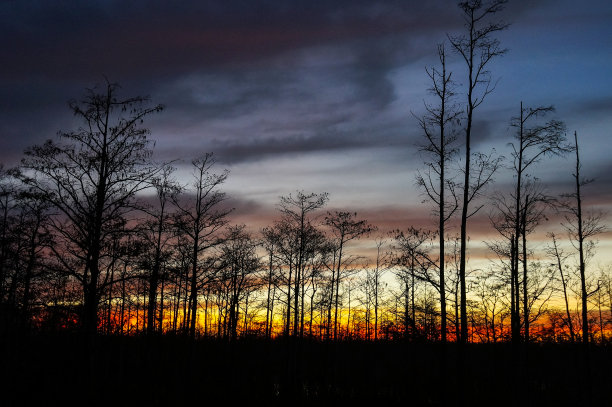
532	143
438	128
477	48
90	177
581	226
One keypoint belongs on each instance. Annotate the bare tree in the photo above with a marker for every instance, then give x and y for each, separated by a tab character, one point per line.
30	241
437	126
488	291
411	255
530	146
269	243
238	265
156	231
295	238
477	48
8	205
200	217
90	176
581	227
344	227
373	288
559	257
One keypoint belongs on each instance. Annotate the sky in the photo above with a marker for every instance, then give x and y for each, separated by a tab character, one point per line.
304	95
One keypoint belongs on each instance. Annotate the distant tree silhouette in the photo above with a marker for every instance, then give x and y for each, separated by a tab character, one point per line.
90	176
374	283
411	257
581	227
238	265
24	237
559	257
271	278
295	236
200	217
8	205
156	232
344	227
31	239
488	293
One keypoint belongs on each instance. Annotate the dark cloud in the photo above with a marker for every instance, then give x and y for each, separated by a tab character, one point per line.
262	147
251	80
249	52
596	105
119	38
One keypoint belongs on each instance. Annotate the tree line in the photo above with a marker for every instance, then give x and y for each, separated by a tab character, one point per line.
96	236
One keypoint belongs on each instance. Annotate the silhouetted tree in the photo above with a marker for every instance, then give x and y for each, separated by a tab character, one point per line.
437	125
559	258
382	265
530	146
488	292
581	228
344	227
294	233
30	240
410	254
90	176
477	47
238	265
199	217
8	205
156	231
272	276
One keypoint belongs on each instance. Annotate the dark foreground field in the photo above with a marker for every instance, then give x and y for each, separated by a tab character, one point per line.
59	370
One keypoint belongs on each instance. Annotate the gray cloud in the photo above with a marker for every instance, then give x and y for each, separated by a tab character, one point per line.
247	80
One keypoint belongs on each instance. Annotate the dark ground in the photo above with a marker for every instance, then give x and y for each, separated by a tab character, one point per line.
59	370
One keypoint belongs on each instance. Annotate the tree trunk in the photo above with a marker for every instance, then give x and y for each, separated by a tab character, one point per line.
583	290
525	288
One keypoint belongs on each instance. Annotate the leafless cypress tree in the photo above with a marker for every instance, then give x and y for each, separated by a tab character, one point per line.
293	238
381	267
581	227
530	146
200	218
269	244
156	231
411	254
344	227
437	126
31	238
477	48
238	263
8	204
280	237
295	211
90	176
559	257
